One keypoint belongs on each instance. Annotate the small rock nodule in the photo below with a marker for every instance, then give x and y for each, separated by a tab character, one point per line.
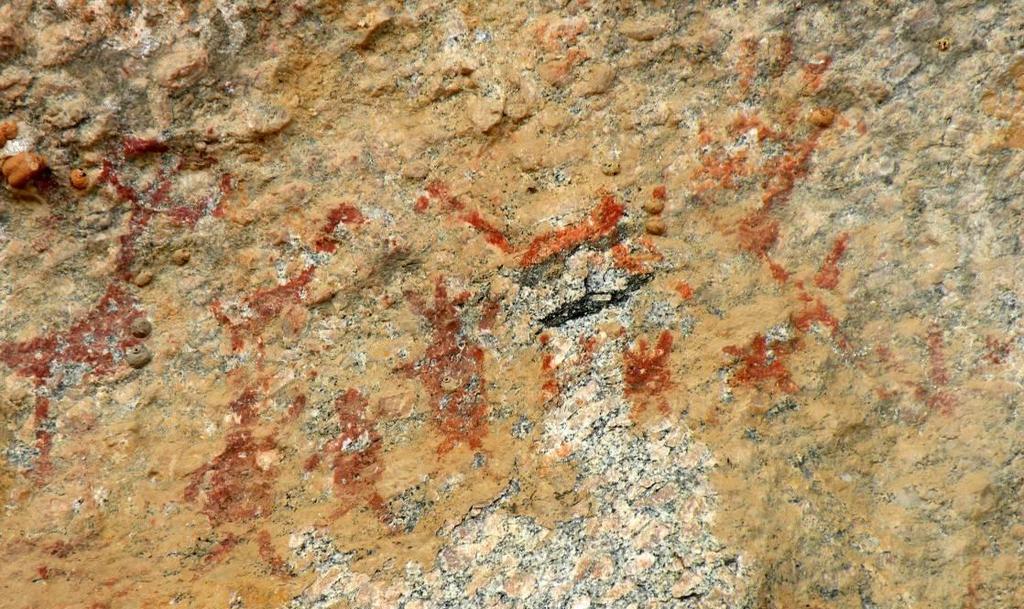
655	226
138	356
8	131
141	328
181	257
78	179
19	169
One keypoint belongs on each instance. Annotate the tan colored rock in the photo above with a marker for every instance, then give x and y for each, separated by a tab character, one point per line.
181	257
141	328
686	585
596	80
523	100
60	42
261	121
8	131
558	72
78	179
137	356
66	111
12	30
19	169
370	25
14	82
404	390
655	226
182	66
448	75
654	206
822	117
142	278
645	29
485	112
609	161
415	170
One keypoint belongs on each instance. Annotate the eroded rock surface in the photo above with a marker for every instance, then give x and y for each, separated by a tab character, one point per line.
511	304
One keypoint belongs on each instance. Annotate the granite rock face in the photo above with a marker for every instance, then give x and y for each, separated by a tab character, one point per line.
496	304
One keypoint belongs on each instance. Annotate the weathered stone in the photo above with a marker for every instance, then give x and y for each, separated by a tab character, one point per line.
181	65
511	304
21	168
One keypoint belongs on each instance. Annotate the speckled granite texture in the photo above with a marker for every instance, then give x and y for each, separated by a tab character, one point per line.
544	304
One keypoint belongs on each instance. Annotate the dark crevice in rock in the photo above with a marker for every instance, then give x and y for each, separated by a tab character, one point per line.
594	302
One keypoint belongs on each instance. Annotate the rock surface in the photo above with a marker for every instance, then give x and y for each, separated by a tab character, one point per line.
511	304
